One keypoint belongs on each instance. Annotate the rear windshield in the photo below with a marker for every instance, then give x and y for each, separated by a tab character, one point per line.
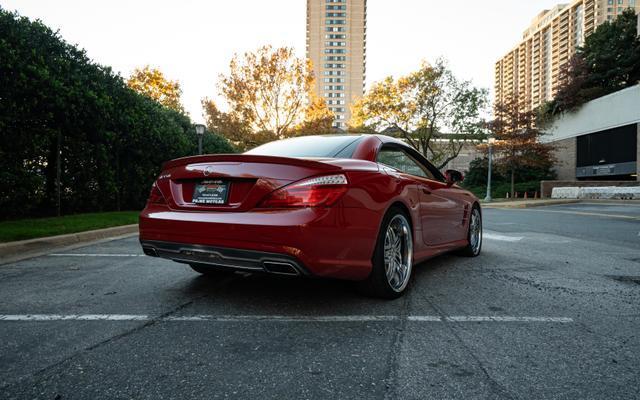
328	146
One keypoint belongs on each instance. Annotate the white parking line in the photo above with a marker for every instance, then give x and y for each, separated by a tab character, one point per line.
275	318
508	319
93	255
73	317
501	238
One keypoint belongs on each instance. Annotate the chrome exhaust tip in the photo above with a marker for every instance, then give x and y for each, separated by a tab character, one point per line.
150	251
280	268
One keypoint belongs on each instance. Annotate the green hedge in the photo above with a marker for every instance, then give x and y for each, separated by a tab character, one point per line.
112	140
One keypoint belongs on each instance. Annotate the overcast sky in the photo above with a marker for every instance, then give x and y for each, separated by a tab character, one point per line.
192	41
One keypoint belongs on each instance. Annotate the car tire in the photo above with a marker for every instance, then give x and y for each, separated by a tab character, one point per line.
392	262
210	271
474	245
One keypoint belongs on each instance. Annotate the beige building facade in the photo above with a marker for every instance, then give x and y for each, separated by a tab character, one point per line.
336	45
530	71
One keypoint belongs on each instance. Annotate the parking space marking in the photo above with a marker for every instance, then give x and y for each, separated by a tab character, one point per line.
73	317
275	318
508	319
501	238
93	255
584	213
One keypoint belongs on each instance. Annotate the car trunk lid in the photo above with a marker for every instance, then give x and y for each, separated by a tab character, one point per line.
243	180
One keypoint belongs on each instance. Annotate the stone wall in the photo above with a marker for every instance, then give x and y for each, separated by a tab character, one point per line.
546	187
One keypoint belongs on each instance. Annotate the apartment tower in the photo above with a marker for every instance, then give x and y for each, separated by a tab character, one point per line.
530	71
336	45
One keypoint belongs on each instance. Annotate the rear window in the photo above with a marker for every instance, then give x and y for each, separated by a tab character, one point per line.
328	146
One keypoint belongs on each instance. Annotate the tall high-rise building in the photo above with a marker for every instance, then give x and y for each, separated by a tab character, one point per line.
336	45
529	73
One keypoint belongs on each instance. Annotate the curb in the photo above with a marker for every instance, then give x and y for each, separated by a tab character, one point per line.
23	249
529	204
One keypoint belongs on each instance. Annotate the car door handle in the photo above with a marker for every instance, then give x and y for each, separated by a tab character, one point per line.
426	191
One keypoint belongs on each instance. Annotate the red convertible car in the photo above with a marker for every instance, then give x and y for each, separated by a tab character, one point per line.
365	208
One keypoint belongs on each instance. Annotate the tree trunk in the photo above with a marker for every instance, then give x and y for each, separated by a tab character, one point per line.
512	181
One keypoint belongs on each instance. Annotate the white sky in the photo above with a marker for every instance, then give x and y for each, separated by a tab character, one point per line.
192	41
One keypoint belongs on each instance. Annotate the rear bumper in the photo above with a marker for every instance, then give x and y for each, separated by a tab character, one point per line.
327	242
242	260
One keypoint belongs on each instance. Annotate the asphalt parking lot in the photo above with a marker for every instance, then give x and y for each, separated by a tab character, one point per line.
550	310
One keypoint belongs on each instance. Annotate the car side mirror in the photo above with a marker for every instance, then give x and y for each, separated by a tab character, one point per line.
453	176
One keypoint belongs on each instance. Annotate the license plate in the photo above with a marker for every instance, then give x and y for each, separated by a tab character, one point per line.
211	192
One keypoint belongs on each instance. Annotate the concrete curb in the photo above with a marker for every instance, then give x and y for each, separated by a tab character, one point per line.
529	204
23	249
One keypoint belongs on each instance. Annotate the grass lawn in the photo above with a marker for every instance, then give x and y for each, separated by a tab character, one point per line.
40	227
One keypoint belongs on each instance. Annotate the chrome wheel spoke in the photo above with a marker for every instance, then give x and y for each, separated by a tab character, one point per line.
475	231
398	252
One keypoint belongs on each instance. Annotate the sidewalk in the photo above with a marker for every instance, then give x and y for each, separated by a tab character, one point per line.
528	203
23	249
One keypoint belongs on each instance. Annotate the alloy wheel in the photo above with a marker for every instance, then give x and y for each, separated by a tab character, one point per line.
398	252
475	231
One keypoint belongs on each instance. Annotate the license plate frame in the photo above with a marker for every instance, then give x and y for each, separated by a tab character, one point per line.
211	192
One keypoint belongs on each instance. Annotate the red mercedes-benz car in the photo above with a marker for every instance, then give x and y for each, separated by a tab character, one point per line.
359	207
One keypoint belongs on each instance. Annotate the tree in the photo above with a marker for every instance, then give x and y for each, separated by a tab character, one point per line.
152	83
230	126
73	136
609	61
318	119
421	107
517	144
266	94
612	54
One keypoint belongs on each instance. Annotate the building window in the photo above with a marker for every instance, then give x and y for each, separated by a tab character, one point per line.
335	58
336	1
336	22
610	2
335	51
338	73
334	80
338	66
336	14
335	36
335	29
620	1
335	44
343	7
334	87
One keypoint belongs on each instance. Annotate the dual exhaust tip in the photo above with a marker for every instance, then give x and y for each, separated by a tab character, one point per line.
280	267
270	266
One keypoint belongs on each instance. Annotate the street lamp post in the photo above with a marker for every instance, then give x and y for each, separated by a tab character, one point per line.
491	141
200	132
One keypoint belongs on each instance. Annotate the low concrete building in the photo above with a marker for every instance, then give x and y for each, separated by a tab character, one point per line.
468	153
601	140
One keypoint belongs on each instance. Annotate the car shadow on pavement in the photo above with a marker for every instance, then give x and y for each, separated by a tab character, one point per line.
261	294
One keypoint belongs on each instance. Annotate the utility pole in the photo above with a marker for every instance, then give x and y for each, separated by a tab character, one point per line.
488	196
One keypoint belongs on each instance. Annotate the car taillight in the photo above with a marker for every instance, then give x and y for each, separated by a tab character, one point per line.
312	192
156	197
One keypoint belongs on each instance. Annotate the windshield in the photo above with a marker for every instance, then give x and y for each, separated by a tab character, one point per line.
329	146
